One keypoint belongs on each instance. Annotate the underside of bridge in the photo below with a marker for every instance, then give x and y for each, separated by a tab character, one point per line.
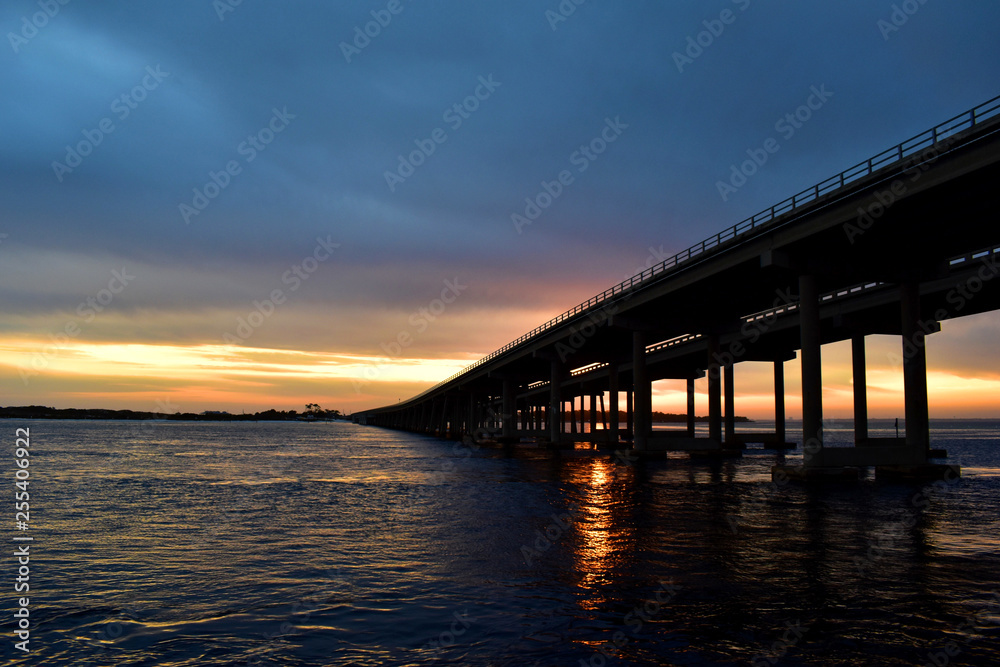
896	250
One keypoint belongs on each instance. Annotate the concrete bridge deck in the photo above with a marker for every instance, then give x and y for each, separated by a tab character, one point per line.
894	246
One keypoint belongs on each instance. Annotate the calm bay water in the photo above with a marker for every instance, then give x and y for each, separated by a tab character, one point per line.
165	543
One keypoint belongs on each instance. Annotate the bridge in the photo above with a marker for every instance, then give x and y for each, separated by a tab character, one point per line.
893	246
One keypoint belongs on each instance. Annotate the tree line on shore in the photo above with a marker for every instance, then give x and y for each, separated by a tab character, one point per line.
313	412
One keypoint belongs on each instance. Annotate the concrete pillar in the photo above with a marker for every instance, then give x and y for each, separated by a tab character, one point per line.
555	402
509	415
812	371
730	404
643	391
714	390
613	403
444	418
779	401
860	389
630	414
918	433
690	407
593	413
430	425
572	415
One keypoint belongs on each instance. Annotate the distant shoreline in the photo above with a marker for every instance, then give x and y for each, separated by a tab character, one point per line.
41	412
100	414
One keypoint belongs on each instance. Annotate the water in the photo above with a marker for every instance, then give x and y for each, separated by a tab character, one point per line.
333	544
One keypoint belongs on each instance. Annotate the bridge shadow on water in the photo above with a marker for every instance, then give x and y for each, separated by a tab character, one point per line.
681	561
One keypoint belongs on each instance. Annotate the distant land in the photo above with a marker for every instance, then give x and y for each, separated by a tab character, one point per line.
42	412
314	414
669	417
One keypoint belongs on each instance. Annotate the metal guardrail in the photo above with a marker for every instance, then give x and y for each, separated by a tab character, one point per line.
583	370
775	311
679	340
925	140
978	254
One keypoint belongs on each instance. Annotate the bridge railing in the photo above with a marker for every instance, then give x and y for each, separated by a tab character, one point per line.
901	151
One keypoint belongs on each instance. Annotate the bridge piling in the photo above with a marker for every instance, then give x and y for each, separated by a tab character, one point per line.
555	416
714	390
812	371
613	403
779	402
509	416
593	413
914	370
690	407
642	388
730	405
860	389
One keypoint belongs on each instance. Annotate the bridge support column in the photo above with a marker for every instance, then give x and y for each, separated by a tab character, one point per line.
643	392
690	407
429	424
730	404
714	390
573	417
593	414
444	418
555	403
630	415
604	415
779	401
860	389
918	434
812	372
613	403
509	416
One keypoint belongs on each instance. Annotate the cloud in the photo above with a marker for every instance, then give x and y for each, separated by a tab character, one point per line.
325	173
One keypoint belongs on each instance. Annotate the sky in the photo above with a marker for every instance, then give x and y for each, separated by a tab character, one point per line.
245	205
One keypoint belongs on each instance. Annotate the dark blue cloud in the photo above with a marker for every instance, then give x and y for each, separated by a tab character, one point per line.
325	172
